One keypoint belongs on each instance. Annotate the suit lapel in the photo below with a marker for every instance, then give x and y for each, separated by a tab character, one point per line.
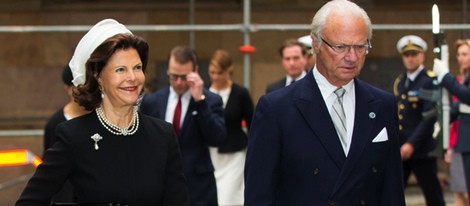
190	113
366	108
162	107
309	101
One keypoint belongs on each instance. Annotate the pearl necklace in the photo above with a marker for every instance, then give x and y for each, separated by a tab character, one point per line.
129	130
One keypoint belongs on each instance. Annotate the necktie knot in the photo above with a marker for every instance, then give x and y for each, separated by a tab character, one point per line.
292	81
340	92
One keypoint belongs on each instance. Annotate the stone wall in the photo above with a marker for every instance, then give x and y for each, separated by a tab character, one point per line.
31	63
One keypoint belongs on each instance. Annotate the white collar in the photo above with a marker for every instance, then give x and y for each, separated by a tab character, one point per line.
412	76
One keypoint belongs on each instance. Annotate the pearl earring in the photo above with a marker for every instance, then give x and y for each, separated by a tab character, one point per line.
102	93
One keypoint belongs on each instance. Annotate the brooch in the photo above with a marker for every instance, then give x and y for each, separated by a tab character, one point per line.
96	137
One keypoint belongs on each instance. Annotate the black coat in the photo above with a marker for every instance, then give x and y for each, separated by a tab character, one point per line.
239	107
141	169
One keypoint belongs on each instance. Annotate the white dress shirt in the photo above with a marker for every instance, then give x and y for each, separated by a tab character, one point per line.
412	76
289	78
173	101
349	102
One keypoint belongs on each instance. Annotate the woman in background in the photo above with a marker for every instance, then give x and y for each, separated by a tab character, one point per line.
229	158
71	110
113	155
453	156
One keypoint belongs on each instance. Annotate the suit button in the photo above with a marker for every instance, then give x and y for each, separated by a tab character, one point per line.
403	96
400	127
374	170
400	117
402	106
363	202
316	171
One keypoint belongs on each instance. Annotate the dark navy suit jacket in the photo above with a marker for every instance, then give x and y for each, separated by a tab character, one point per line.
203	126
276	85
295	156
462	92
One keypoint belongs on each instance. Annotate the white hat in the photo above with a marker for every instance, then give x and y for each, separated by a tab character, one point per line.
87	45
411	43
306	40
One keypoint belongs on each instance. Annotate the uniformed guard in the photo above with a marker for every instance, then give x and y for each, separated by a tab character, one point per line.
416	130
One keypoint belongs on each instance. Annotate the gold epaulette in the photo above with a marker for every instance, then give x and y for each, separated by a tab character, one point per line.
395	83
431	74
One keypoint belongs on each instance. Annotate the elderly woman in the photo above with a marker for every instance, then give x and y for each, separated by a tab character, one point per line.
113	155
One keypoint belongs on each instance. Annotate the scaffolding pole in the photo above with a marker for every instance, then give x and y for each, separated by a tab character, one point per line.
246	41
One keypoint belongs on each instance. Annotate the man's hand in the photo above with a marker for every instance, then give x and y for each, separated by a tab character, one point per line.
196	85
406	151
440	68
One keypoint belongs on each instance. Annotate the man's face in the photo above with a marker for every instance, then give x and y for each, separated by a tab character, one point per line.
340	67
177	75
412	60
293	61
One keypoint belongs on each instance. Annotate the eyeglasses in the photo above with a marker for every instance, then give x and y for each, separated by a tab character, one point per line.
174	77
342	48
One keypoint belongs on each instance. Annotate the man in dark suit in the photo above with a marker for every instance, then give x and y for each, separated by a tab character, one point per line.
301	154
294	58
198	118
416	130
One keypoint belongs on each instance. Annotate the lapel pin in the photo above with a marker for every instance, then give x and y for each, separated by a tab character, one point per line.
194	113
372	115
96	137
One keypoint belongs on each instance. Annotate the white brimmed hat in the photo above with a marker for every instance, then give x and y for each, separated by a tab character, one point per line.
92	39
411	43
306	40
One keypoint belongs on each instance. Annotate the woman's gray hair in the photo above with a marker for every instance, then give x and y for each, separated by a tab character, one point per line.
343	7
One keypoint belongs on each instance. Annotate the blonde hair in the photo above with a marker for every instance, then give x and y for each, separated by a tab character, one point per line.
221	59
458	44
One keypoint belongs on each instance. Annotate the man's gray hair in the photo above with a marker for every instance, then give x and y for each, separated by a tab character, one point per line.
343	7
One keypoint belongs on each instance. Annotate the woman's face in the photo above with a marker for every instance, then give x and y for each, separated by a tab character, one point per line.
122	78
463	57
218	76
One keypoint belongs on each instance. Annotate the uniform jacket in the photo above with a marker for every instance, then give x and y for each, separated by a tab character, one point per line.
141	169
462	92
413	126
295	157
203	126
